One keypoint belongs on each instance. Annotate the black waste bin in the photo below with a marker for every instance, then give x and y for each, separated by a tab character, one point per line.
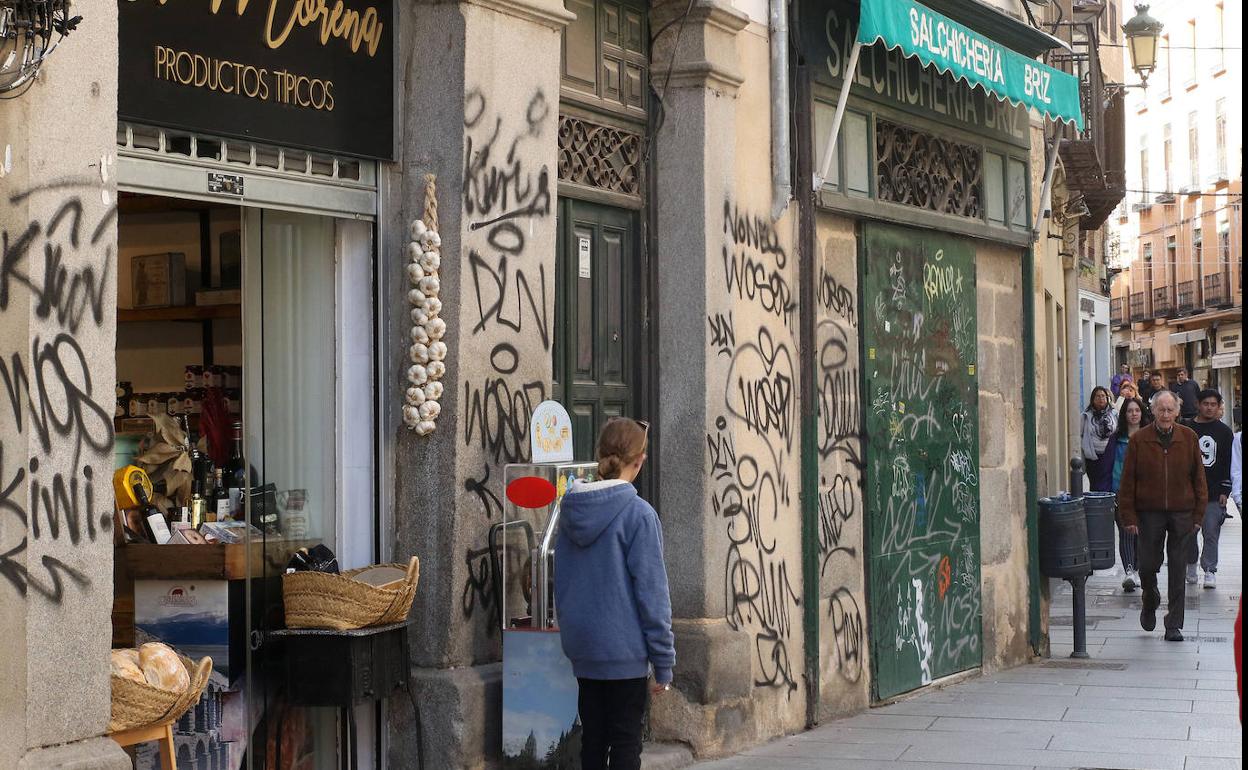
1063	538
1100	507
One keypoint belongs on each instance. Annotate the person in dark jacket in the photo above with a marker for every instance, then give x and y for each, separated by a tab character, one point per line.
611	596
1189	395
1099	423
1215	439
1162	499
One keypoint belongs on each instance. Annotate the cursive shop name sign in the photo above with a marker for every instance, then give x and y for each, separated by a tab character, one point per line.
314	74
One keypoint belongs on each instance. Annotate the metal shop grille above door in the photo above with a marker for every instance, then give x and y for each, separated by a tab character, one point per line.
599	157
158	161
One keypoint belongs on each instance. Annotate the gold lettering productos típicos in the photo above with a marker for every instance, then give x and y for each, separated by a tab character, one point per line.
228	77
357	28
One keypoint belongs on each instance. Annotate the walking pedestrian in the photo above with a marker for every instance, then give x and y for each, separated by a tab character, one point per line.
1156	384
1189	395
1099	424
615	613
1123	375
1126	391
1215	440
1237	472
1146	388
1162	499
1130	420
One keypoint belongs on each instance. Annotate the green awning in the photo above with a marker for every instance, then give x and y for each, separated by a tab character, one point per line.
939	41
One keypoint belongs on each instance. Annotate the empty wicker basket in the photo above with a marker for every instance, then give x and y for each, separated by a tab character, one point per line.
139	704
341	603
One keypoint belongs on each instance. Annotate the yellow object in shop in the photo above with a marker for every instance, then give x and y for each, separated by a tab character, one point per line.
125	480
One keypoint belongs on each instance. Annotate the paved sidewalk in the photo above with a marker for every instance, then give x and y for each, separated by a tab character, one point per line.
1138	702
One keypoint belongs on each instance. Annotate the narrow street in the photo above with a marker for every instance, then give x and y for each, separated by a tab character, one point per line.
1137	702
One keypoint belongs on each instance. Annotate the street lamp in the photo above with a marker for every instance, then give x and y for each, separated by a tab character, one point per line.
1142	32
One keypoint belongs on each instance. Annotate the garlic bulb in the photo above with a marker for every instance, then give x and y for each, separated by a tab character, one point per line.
414	251
432	306
418	230
419	316
425	427
417	396
430	239
436	328
417	374
415	273
411	416
433	391
436	370
430	286
417	297
430	262
437	351
418	353
420	334
430	410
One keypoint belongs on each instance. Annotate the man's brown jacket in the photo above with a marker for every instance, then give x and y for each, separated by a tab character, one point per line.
1156	479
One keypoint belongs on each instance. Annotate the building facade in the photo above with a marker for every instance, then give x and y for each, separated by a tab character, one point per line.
839	381
1177	302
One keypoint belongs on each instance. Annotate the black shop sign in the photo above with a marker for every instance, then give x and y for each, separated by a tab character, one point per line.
315	74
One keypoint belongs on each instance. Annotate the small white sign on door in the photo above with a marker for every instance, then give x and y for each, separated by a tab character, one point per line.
584	260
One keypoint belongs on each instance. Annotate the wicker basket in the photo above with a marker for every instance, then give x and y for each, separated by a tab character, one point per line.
138	704
340	603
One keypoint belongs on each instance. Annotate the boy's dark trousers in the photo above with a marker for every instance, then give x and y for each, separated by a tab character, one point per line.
611	717
1171	532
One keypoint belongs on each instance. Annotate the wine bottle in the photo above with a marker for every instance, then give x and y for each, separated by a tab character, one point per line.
236	474
199	504
154	524
220	498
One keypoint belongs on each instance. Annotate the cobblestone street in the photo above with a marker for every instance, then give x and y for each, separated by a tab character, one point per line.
1137	702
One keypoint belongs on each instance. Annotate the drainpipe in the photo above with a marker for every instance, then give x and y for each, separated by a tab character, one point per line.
1070	273
1030	435
806	393
781	181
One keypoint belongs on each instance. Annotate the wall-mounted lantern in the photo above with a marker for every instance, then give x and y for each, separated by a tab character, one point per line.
30	30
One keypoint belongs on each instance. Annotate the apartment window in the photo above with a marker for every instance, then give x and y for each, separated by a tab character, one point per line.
1219	130
1144	166
1220	54
1193	148
1165	90
1191	26
1197	250
1113	23
1167	157
1172	258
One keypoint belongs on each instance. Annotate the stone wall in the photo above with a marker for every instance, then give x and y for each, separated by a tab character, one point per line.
57	327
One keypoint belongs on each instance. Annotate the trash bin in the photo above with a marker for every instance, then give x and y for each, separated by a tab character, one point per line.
1100	508
1063	538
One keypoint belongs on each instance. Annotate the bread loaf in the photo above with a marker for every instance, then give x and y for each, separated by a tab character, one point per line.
125	664
163	668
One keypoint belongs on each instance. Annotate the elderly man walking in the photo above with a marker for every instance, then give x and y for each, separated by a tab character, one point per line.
1162	498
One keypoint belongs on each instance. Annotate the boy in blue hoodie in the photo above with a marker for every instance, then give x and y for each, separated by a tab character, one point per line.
615	614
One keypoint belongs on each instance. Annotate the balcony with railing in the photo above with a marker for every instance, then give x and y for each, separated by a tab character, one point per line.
1094	159
1187	297
1217	291
1118	312
1139	306
1163	303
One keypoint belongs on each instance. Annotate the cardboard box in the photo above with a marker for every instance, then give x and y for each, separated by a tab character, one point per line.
158	280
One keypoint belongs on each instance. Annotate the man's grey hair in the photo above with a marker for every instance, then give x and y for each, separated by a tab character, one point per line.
1164	394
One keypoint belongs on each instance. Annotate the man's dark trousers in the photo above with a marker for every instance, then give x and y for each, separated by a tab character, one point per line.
611	714
1168	531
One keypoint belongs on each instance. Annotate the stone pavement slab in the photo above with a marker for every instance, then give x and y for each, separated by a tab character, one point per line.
1139	702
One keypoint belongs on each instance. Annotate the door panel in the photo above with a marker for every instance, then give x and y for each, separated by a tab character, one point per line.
919	340
596	322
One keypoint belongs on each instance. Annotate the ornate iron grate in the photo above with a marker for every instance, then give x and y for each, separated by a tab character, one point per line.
918	169
598	156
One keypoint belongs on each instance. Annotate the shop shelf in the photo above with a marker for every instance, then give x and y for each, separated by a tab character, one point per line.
179	313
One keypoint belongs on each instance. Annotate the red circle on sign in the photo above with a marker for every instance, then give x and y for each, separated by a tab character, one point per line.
531	492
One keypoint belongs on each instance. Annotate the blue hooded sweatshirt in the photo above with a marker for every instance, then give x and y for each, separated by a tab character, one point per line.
615	614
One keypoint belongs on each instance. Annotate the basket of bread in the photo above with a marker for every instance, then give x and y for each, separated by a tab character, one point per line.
358	598
153	685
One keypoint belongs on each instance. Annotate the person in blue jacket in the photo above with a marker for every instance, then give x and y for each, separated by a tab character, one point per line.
612	601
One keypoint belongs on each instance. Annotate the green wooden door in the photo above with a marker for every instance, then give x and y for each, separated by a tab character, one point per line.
596	318
919	345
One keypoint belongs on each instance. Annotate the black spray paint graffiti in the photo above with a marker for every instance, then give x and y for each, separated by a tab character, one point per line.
840	416
505	194
753	443
48	391
754	263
